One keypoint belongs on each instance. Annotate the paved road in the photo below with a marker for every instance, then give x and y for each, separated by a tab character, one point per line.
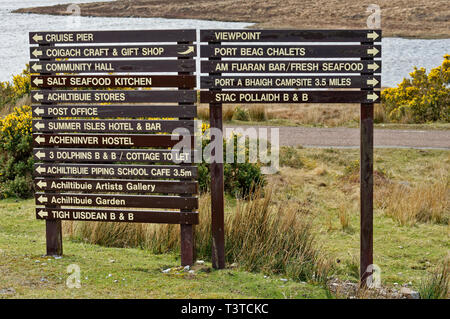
349	137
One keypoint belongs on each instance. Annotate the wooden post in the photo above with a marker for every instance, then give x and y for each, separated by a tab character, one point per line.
53	228
366	185
187	231
217	188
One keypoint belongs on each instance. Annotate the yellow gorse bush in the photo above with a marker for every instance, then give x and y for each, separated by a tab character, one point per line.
423	98
20	86
19	122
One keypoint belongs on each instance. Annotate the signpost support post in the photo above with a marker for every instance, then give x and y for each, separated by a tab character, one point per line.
53	228
188	252
217	185
366	184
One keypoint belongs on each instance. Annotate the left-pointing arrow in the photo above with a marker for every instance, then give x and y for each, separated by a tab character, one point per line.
42	213
40	169
42	199
39	125
39	111
37	38
37	53
42	184
40	154
39	139
38	96
38	81
36	67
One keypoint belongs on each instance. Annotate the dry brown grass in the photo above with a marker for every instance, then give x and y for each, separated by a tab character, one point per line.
408	205
259	237
313	114
257	113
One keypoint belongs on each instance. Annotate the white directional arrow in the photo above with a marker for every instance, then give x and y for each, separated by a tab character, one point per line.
39	111
37	38
38	96
373	66
373	97
37	53
36	67
373	51
373	35
42	199
40	169
38	81
189	50
39	125
42	184
42	213
40	154
39	139
372	82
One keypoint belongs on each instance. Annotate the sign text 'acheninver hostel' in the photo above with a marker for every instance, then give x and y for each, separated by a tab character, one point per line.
106	104
120	157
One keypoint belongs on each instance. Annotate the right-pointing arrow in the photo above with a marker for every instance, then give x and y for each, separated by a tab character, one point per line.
372	82
372	97
373	66
373	35
373	51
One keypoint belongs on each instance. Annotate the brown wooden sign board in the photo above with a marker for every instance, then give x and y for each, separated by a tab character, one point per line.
254	97
108	200
110	155
120	51
115	215
117	96
290	51
294	66
116	66
107	140
115	171
101	81
102	111
112	126
246	35
129	36
288	82
116	185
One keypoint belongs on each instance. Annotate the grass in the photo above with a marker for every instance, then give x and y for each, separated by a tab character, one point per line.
324	183
437	285
319	185
108	272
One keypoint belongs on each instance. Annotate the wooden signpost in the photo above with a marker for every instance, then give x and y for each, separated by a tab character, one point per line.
109	163
81	136
248	66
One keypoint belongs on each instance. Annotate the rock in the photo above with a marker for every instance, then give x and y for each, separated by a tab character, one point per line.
166	271
200	262
409	293
233	265
186	268
192	272
283	279
112	261
7	291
